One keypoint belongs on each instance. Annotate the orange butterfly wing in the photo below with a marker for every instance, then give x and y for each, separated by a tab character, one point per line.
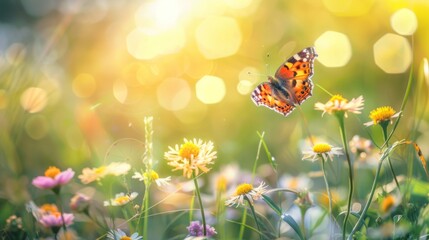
295	74
291	85
265	95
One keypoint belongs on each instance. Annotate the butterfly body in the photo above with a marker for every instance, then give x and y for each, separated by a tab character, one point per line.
290	86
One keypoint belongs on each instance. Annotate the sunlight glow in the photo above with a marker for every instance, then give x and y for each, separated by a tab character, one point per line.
334	49
160	15
392	53
218	37
244	87
34	99
120	91
145	46
84	85
404	21
349	7
174	94
210	89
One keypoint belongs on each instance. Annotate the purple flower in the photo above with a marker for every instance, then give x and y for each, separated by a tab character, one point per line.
196	229
55	220
53	178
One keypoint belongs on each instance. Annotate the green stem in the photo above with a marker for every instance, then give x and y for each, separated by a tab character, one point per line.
243	224
303	211
368	203
386	142
254	216
60	204
340	116
197	191
146	211
328	190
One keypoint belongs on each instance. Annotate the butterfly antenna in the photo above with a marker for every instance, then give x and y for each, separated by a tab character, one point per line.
324	89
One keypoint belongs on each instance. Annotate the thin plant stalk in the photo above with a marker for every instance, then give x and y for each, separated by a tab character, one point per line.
384	127
368	203
328	190
340	116
197	192
254	216
146	211
243	224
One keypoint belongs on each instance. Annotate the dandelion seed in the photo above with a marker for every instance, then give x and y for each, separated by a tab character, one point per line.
246	190
321	150
382	114
339	104
191	157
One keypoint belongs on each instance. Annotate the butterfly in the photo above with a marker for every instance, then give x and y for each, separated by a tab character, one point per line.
291	85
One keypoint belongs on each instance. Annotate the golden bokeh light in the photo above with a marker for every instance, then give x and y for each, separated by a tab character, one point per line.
37	127
210	89
120	91
404	21
244	87
218	37
144	46
349	7
174	94
334	49
34	99
84	85
160	15
392	53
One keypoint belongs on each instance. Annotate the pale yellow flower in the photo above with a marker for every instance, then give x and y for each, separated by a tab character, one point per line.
121	199
95	174
191	157
321	149
246	191
382	114
337	104
152	176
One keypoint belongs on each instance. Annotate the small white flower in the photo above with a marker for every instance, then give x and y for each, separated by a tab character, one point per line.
247	191
337	103
321	149
152	176
121	199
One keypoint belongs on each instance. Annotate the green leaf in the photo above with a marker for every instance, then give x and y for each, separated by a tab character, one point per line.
270	157
284	216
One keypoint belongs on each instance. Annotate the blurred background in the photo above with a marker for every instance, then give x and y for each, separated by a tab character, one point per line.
76	76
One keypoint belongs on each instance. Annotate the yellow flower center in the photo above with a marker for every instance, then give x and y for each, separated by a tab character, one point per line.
322	148
381	114
52	172
387	203
49	208
338	98
152	175
100	170
189	150
125	238
122	200
243	188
